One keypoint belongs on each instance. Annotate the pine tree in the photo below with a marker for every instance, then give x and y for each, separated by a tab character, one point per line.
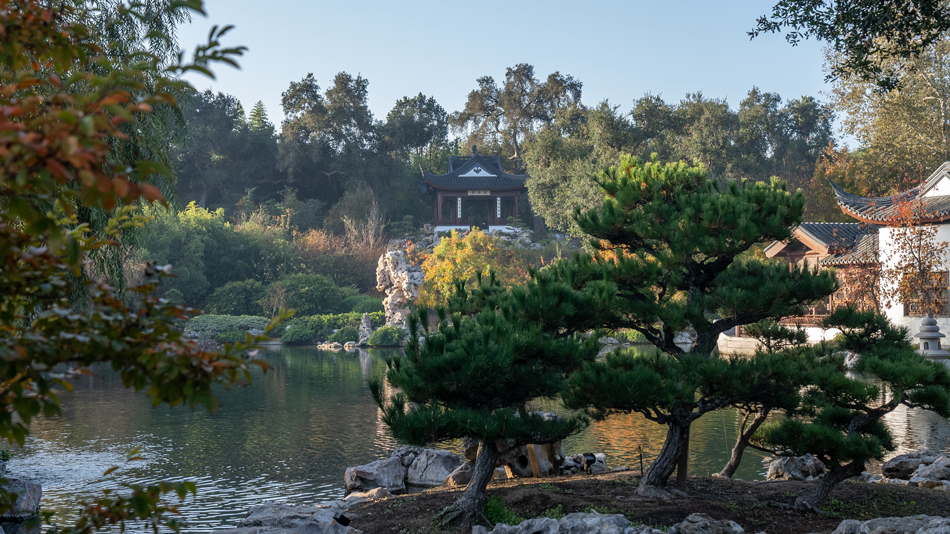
473	376
258	118
671	241
843	428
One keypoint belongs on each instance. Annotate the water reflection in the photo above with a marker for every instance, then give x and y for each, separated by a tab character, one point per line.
291	434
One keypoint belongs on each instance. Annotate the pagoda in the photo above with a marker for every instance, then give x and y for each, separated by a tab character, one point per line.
474	192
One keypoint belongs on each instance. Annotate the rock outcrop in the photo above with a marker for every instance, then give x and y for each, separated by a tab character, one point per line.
576	523
366	330
408	466
703	524
924	469
282	518
27	505
916	524
431	467
904	465
401	282
805	467
388	473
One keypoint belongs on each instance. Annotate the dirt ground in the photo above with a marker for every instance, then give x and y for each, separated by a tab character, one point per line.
756	506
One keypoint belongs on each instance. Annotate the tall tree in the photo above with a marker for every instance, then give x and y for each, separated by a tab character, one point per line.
258	119
506	116
417	127
871	39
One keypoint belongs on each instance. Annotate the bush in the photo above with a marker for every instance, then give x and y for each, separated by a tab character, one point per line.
312	294
298	335
212	325
231	336
361	304
237	298
336	321
347	333
387	336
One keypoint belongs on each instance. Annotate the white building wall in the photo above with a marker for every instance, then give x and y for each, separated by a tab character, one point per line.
889	257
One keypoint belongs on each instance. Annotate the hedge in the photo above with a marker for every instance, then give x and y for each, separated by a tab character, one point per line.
305	330
212	325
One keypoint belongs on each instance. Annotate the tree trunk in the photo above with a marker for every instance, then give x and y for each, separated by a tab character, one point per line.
469	510
745	435
811	500
660	470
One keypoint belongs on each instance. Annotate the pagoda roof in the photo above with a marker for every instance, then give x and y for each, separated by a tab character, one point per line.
475	172
933	195
838	243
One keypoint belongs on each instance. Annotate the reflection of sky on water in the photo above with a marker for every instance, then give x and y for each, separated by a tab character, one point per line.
291	434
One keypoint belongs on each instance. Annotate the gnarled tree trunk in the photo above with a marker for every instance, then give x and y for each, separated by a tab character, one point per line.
812	499
742	441
469	510
660	470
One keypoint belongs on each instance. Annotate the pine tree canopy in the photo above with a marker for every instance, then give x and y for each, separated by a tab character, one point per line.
672	241
474	374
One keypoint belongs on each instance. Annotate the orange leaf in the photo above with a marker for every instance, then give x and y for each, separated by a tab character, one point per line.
121	187
150	192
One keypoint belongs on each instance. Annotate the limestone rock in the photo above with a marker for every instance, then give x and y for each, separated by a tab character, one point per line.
576	523
938	470
904	465
500	473
431	468
401	281
850	358
366	329
388	473
703	524
796	468
894	525
28	498
363	496
280	515
461	476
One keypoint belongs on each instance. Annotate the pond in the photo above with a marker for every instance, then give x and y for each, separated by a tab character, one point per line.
290	435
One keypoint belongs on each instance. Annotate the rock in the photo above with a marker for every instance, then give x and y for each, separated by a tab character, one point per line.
349	345
388	473
921	482
470	448
850	358
576	523
407	454
335	346
703	524
904	465
363	496
500	473
608	341
280	515
27	503
401	281
938	470
432	467
894	525
256	332
653	492
796	468
191	334
366	329
461	476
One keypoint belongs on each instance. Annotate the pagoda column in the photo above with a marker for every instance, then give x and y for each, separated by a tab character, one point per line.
458	213
438	209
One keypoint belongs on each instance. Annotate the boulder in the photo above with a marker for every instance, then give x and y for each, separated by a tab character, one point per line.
938	470
796	468
281	515
500	473
431	467
917	524
364	496
388	473
461	476
904	465
576	523
703	524
850	358
578	462
401	281
27	503
366	329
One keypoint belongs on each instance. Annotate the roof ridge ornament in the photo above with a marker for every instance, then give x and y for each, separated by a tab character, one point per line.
474	151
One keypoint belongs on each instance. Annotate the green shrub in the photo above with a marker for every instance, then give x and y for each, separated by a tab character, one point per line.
361	304
336	321
174	296
387	336
347	333
312	294
298	335
497	511
237	298
231	336
212	325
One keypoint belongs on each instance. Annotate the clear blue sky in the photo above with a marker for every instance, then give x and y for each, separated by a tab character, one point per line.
619	50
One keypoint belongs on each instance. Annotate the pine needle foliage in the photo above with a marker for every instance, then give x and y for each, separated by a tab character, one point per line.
478	368
672	239
840	422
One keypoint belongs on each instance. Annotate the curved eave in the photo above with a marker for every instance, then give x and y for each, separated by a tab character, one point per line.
867	209
428	178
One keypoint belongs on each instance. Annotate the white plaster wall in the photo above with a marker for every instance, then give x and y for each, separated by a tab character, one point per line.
888	255
941	189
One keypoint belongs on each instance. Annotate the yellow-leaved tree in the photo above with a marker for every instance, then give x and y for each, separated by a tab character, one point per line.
461	257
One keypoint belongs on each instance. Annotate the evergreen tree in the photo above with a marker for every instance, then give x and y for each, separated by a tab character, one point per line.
670	240
474	375
843	426
258	119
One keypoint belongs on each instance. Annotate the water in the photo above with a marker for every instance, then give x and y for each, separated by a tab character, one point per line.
290	435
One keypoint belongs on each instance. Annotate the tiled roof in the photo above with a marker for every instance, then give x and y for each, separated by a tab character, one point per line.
836	236
882	210
475	172
865	251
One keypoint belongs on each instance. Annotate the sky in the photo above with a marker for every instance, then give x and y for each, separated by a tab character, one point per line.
620	50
